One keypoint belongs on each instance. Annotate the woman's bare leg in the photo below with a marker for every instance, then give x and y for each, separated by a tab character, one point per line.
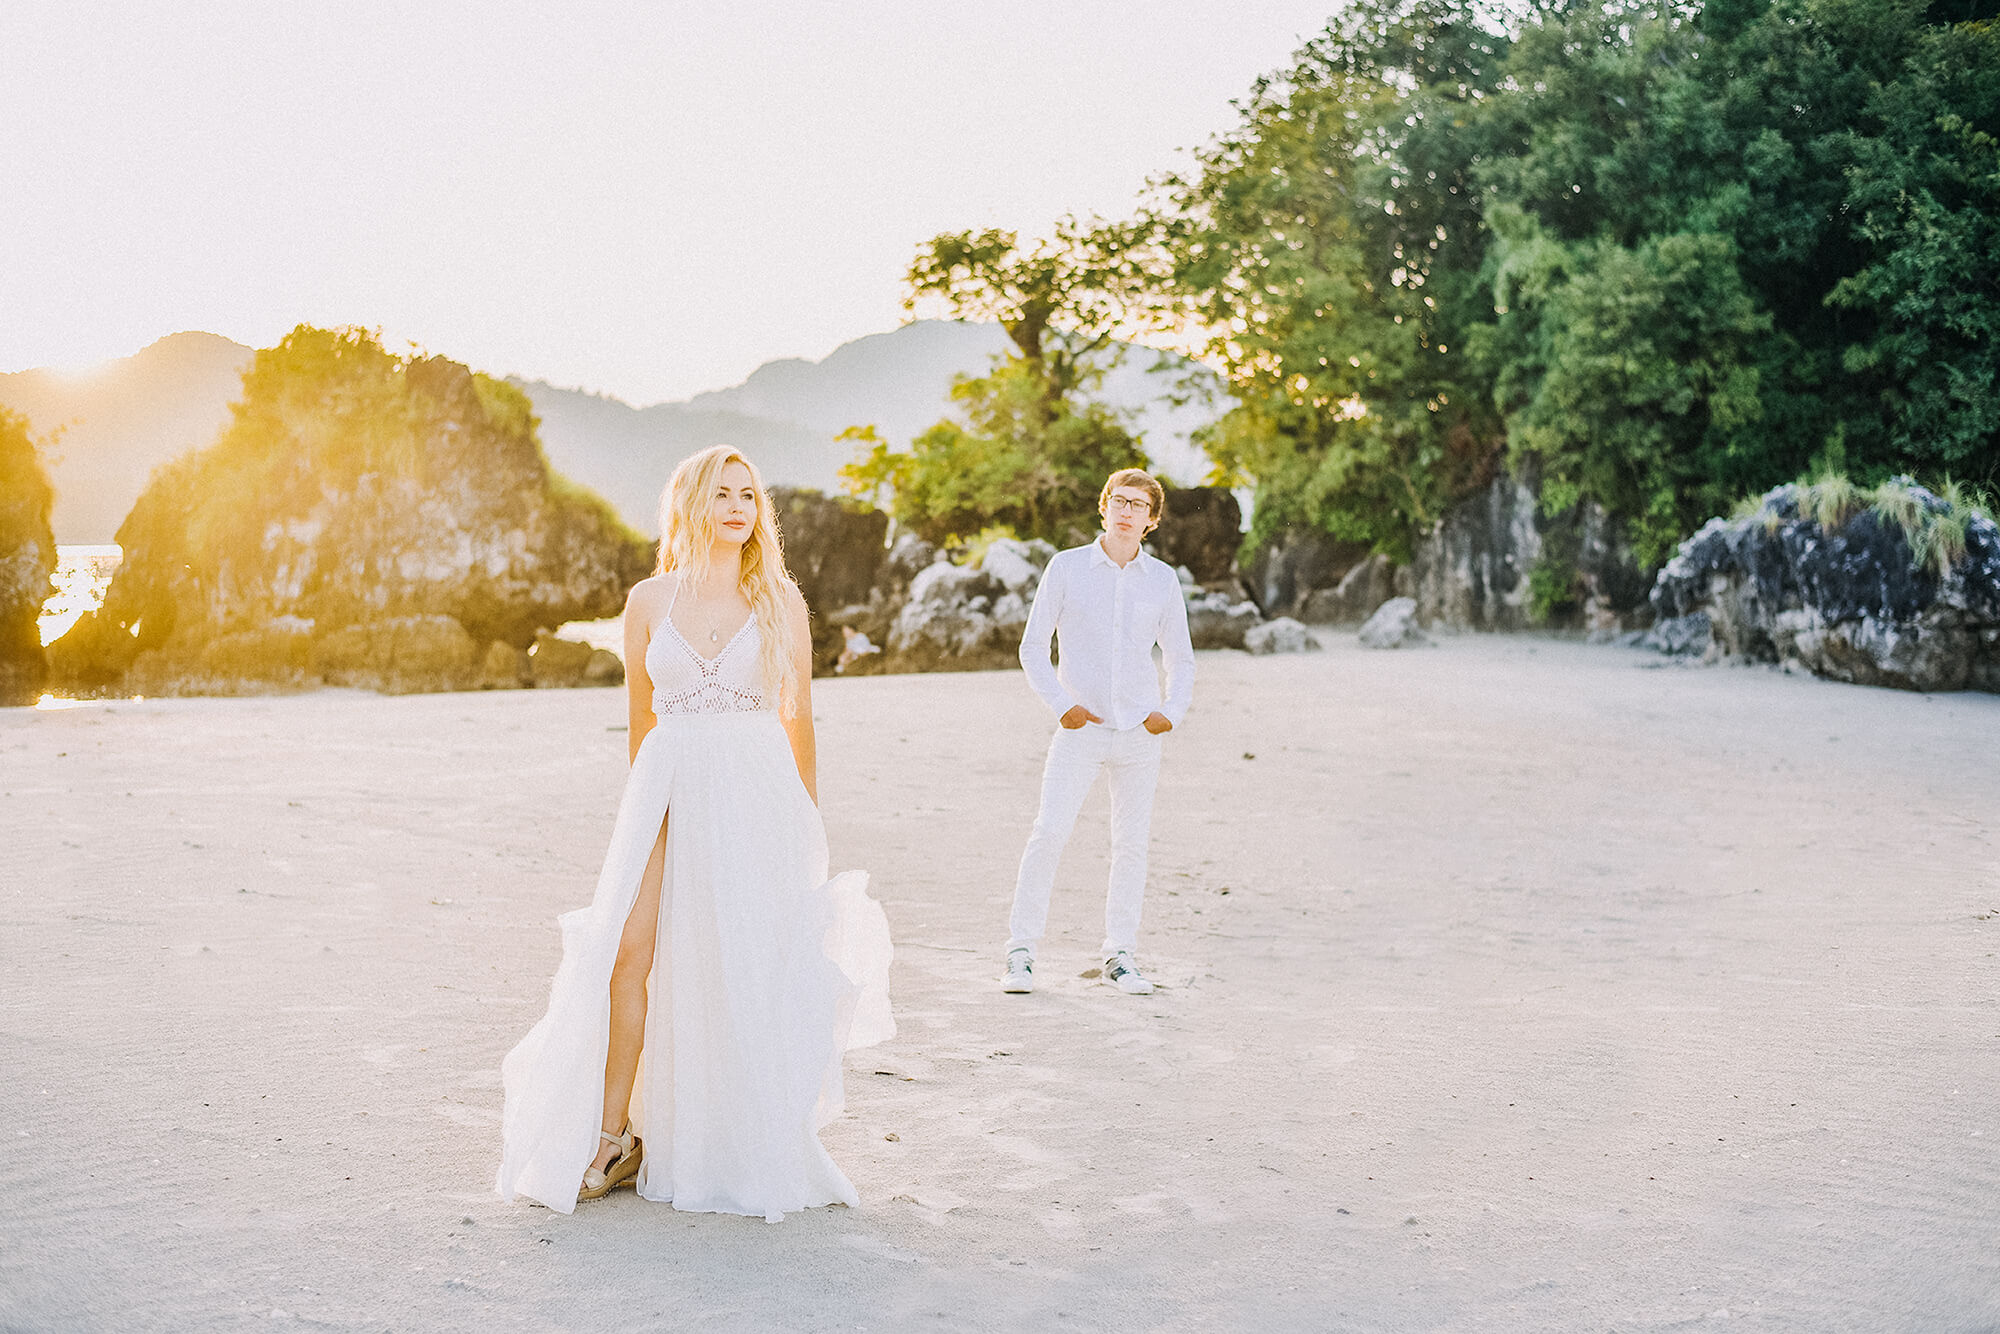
628	997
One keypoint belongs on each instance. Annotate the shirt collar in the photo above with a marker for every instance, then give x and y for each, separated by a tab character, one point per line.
1099	556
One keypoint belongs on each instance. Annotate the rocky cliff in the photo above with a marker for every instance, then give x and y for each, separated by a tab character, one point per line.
27	556
364	519
1495	561
1498	562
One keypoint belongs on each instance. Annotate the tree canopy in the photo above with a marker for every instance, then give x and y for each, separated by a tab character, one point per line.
1028	450
1659	254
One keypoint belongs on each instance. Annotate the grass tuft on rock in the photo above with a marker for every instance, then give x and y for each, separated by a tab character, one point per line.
1933	522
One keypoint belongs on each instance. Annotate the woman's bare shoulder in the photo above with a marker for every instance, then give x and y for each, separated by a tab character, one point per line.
793	601
649	592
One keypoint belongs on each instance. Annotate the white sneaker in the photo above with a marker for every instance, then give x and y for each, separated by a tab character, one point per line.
1121	972
1020	977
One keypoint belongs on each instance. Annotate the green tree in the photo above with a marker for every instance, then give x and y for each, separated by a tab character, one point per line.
1031	450
1331	246
1012	462
1658	253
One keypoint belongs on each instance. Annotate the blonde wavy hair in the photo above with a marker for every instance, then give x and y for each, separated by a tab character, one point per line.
687	538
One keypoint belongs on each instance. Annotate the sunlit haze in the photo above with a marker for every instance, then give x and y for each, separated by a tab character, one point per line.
644	199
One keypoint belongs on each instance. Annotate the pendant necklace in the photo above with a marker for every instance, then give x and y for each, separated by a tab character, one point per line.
714	632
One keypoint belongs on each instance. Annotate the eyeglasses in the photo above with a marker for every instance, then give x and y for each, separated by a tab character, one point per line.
1126	505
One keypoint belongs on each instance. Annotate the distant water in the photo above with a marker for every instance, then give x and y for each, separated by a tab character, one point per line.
82	574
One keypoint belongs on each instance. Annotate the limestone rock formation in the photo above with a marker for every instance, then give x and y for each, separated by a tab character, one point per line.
397	653
1849	600
1680	636
962	618
1289	569
1496	562
364	520
1216	620
1394	625
1355	598
27	557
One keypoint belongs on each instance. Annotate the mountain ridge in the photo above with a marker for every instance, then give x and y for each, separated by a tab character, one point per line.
118	421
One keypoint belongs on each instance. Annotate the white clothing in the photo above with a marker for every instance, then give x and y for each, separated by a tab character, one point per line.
764	970
1132	757
1105	620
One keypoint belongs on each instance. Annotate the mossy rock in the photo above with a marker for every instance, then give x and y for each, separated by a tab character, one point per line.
604	669
558	662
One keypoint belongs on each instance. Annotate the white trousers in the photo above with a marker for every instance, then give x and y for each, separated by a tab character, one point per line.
1132	758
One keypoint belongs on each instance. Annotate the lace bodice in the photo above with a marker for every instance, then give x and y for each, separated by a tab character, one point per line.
685	682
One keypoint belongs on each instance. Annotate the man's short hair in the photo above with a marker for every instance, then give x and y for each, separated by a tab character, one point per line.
1138	477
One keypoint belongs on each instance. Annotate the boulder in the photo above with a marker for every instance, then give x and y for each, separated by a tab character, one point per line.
27	558
1851	602
1680	636
399	655
505	667
1354	599
558	662
956	619
1216	620
909	555
372	498
1394	625
603	669
1017	565
1283	635
279	652
1202	530
1296	563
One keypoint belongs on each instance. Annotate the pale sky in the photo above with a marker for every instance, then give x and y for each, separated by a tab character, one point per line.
644	199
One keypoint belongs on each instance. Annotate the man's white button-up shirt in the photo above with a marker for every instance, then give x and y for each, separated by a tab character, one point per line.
1106	620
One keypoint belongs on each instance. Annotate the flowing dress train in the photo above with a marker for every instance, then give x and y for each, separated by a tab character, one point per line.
764	970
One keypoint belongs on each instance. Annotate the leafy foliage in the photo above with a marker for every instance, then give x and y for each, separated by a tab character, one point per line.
1014	462
1656	253
350	484
1029	451
1933	523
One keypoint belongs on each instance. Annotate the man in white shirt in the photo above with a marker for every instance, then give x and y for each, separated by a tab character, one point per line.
1107	604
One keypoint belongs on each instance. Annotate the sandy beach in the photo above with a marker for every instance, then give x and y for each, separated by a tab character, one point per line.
1511	984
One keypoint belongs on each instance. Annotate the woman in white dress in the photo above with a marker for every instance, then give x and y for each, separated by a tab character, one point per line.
693	1040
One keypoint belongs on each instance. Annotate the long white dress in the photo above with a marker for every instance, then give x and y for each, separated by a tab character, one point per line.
765	971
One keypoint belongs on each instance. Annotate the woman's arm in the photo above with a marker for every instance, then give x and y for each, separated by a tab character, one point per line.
799	727
641	606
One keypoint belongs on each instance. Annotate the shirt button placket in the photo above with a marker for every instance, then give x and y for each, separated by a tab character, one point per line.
1117	643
